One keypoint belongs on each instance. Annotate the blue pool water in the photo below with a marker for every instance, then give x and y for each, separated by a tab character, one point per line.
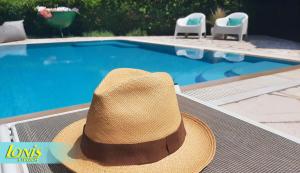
48	76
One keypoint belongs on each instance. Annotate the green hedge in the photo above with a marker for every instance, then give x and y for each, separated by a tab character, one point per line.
152	17
155	17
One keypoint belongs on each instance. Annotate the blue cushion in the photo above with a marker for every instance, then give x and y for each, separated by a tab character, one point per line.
235	21
194	21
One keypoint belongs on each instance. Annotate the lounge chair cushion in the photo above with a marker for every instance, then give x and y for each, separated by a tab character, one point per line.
194	21
12	31
235	21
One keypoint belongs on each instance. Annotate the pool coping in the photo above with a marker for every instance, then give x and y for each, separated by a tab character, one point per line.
236	78
246	53
41	114
138	39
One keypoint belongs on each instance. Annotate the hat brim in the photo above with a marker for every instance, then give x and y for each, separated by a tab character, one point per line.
194	155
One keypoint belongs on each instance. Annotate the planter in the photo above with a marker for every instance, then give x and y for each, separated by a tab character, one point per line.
61	19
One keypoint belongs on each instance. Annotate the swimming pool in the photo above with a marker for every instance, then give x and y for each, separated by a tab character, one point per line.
40	77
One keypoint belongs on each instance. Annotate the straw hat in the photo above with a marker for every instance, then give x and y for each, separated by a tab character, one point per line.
134	125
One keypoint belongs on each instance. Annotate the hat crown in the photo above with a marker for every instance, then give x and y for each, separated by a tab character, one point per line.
133	106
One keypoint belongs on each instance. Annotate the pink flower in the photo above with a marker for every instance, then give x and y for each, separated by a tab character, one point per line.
45	13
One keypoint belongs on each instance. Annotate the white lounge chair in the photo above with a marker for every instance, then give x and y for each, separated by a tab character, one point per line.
194	23
12	31
224	26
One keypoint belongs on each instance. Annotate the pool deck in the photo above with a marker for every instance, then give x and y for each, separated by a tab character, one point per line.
272	99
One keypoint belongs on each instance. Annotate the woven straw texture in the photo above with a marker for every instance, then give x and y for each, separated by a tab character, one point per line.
130	101
241	147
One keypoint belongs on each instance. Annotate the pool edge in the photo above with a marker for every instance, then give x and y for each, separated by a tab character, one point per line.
237	78
22	117
138	39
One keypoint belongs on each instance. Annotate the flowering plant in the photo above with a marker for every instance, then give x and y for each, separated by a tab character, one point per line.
46	12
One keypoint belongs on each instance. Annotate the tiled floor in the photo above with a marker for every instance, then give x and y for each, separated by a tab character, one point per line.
278	108
278	111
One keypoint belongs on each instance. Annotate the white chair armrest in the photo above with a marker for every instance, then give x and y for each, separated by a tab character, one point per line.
221	21
181	21
244	21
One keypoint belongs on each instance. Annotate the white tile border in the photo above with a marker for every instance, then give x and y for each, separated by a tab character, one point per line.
46	116
227	50
253	93
147	39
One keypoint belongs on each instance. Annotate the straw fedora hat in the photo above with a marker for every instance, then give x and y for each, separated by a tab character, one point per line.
134	125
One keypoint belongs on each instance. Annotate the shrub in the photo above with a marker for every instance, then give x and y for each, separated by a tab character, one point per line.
137	32
121	17
98	34
218	13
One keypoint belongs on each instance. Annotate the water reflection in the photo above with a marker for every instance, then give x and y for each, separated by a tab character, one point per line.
189	53
54	60
232	57
97	44
17	50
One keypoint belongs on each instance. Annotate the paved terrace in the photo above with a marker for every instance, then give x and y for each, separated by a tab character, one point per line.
272	99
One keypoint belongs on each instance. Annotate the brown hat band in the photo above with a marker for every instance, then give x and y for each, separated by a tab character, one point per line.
133	154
